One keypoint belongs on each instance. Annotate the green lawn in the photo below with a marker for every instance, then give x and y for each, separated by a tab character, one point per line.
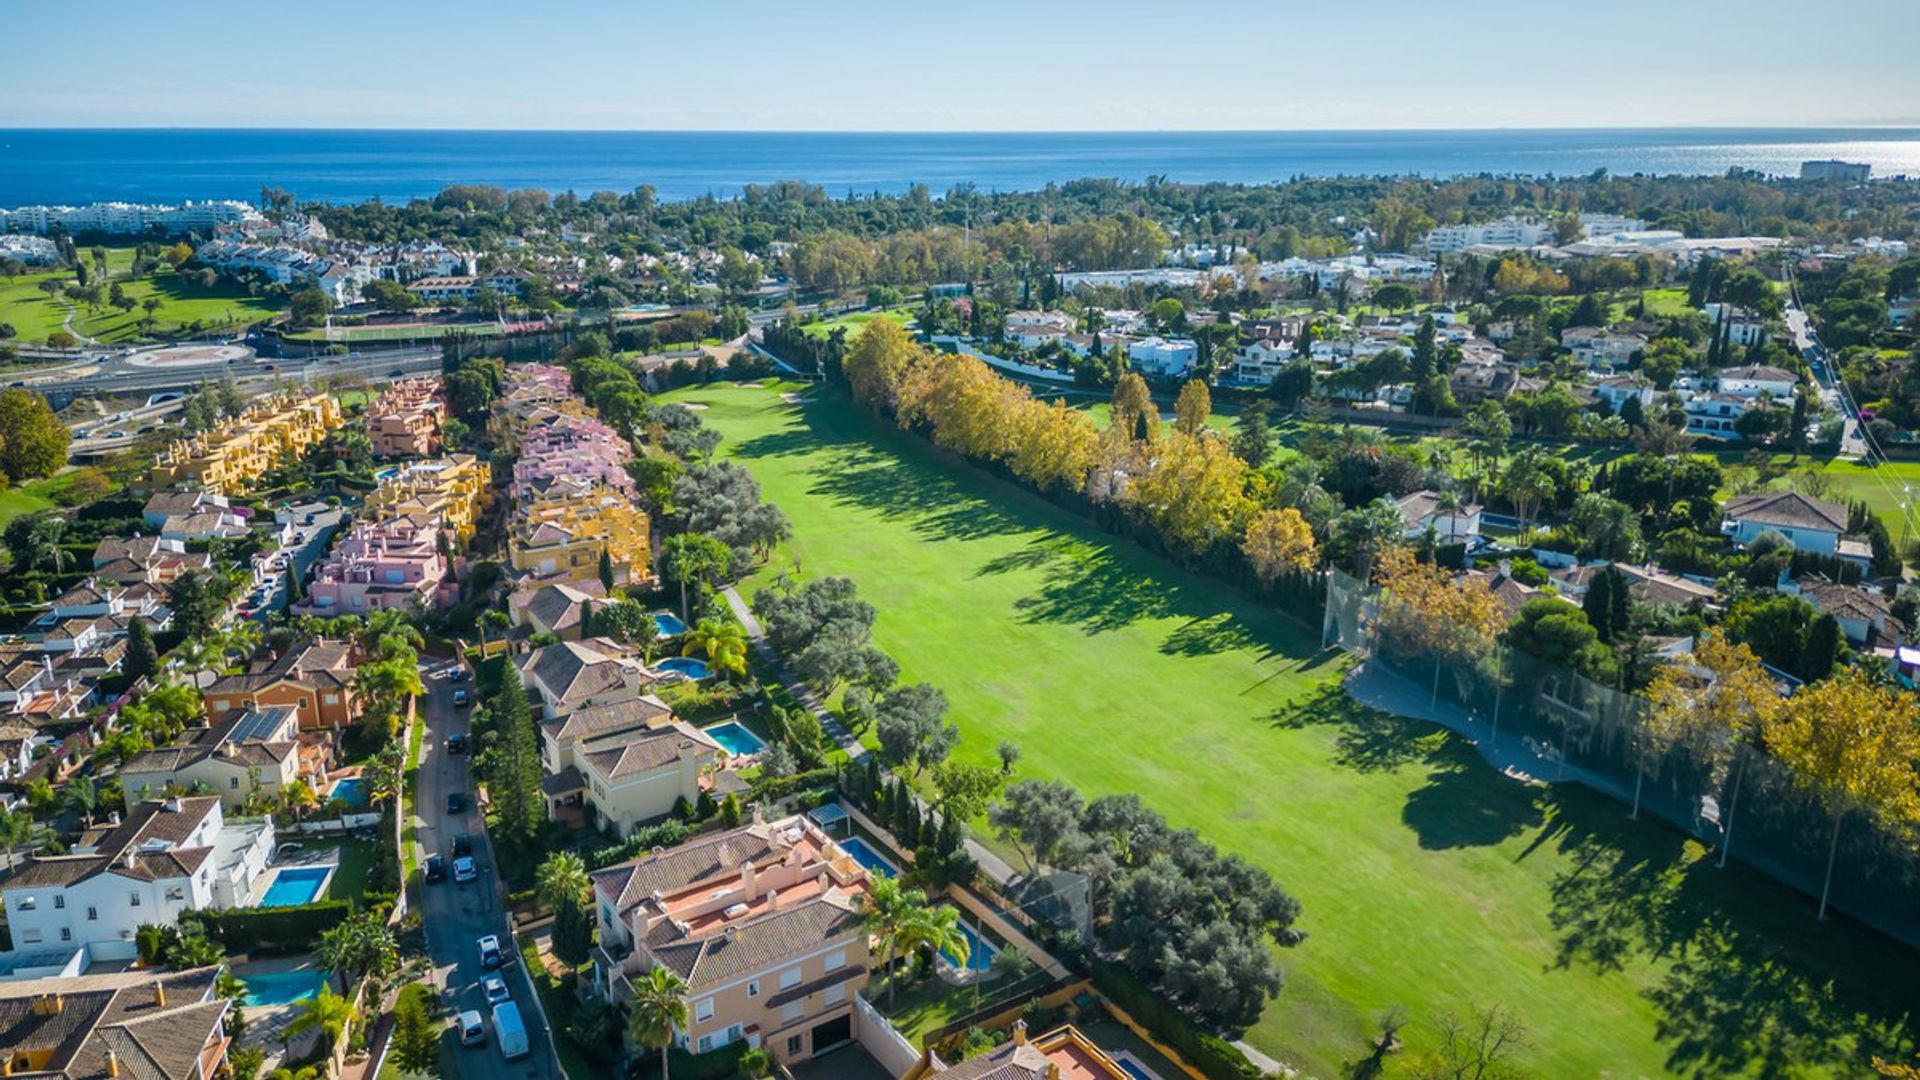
856	320
1428	881
21	500
34	315
356	865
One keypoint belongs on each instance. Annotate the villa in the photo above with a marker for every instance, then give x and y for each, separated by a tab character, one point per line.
164	858
558	608
1061	1054
127	1025
1424	510
571	675
1809	524
314	679
762	922
626	764
257	750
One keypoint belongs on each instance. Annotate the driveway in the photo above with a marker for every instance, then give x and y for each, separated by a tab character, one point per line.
457	916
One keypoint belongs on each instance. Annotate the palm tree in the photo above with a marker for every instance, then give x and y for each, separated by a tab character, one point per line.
493	619
325	1012
361	945
82	797
886	909
658	1008
243	637
757	1062
300	798
935	928
723	643
563	877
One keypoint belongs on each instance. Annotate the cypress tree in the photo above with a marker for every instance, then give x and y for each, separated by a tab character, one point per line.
873	781
606	570
142	659
516	777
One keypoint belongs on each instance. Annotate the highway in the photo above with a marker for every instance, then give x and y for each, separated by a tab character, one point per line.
457	916
119	378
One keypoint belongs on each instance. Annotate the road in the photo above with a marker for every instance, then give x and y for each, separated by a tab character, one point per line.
457	916
1832	394
120	378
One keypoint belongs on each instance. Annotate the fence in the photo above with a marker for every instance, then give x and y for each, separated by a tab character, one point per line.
887	1046
1557	725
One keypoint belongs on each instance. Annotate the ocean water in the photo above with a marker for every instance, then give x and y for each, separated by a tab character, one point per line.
72	166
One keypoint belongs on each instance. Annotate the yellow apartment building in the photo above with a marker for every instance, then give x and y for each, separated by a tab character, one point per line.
228	458
453	489
560	537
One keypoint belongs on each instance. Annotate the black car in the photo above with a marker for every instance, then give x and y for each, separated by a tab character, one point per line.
462	845
460	674
436	869
456	744
456	802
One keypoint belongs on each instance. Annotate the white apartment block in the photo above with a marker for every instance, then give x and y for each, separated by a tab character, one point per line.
129	218
1510	232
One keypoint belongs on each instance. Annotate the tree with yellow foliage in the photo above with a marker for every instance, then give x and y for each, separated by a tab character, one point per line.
1193	491
1135	416
1278	541
1855	744
1192	408
1053	446
877	365
1425	612
1716	704
969	409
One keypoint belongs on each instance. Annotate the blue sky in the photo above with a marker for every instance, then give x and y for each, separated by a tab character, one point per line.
982	65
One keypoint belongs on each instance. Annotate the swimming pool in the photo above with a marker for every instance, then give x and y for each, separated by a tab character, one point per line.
862	853
1132	1066
691	667
283	987
297	885
734	737
980	951
352	791
668	624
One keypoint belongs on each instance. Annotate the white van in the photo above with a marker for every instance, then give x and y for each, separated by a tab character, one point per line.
473	1030
510	1029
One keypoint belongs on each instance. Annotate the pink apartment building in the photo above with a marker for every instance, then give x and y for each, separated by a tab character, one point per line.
405	421
394	563
574	448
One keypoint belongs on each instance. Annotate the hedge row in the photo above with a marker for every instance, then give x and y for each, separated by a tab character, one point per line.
1211	1054
770	788
274	928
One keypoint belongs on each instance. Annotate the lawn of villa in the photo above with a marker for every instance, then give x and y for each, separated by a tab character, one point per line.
1428	881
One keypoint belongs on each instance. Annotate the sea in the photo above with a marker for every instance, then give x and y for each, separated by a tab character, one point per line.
166	165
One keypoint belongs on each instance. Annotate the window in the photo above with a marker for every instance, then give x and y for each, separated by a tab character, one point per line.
93	913
28	903
793	1010
836	960
66	934
706	1043
793	1044
31	937
734	1031
333	699
133	899
835	994
703	1009
790	977
753	988
233	783
176	892
59	900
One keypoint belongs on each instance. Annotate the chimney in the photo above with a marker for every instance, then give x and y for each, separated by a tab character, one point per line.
159	993
773	901
1019	1033
749	881
1053	1070
113	1063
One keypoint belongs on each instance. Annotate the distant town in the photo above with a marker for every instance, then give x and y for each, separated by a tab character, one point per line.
1366	626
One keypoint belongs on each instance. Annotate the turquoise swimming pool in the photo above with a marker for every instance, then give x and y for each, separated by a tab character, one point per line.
297	885
352	791
668	624
861	852
734	738
283	987
692	667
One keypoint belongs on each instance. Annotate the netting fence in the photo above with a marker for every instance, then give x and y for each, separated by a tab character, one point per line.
1558	726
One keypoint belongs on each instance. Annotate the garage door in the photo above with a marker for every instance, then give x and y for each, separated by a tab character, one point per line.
832	1034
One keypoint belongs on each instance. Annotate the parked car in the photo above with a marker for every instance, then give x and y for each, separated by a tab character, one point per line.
460	674
511	1030
456	802
496	989
456	744
473	1028
462	845
461	699
463	870
436	868
490	955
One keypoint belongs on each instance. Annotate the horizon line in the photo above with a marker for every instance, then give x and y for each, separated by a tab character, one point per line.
1890	126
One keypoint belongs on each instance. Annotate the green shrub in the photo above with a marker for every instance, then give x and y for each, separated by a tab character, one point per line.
274	929
1211	1054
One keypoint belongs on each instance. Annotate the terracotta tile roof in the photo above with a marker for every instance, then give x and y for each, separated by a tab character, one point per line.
759	943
